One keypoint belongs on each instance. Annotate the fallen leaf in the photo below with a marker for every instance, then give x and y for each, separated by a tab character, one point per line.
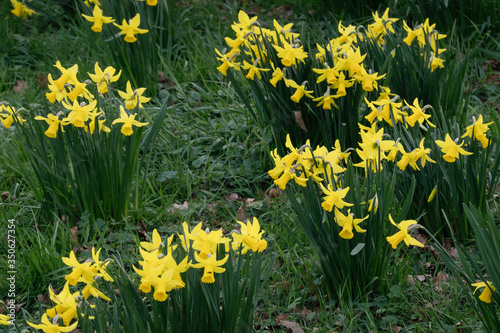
177	207
440	278
299	120
275	193
241	214
211	206
422	238
74	234
232	197
249	201
20	87
454	253
292	326
396	328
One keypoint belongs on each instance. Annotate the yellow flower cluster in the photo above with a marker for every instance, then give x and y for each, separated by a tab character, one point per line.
129	29
66	302
427	35
21	10
252	42
161	272
67	89
7	115
342	62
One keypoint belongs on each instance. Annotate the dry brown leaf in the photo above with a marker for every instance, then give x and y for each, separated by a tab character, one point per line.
275	193
232	197
453	253
396	328
20	87
177	207
299	120
211	206
249	201
440	278
422	238
43	80
292	326
74	234
241	214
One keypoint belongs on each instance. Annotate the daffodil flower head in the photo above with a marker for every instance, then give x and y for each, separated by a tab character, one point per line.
21	10
402	234
210	265
131	28
478	130
5	320
348	222
52	327
133	97
98	19
451	149
250	237
487	291
104	77
128	122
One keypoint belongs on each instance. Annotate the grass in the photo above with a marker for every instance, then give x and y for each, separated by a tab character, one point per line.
210	164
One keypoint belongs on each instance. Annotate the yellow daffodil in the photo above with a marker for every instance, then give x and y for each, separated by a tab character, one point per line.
131	28
277	75
253	69
128	122
210	265
7	114
368	79
164	284
250	237
54	124
104	77
5	320
21	10
244	24
81	272
422	153
402	234
289	54
407	158
151	2
55	93
206	241
133	97
228	61
348	222
98	19
478	129
487	291
156	244
328	74
451	149
326	100
67	75
380	27
80	113
418	114
53	327
66	305
300	90
334	198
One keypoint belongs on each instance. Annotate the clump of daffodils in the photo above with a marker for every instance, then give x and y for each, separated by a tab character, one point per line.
77	105
63	317
160	270
129	28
